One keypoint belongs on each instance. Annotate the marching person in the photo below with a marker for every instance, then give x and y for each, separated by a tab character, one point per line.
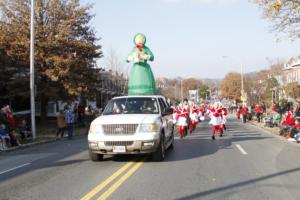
181	120
193	117
186	109
224	115
215	114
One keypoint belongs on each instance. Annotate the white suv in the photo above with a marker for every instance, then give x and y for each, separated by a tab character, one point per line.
132	125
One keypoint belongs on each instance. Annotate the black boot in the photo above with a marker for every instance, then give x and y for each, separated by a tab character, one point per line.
213	137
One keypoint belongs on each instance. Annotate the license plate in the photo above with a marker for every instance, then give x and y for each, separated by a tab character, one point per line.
119	149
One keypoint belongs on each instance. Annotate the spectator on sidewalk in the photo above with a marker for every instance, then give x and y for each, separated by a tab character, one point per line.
5	139
258	112
61	124
24	129
264	107
297	111
75	111
297	135
244	112
69	118
238	112
11	125
81	112
288	124
273	107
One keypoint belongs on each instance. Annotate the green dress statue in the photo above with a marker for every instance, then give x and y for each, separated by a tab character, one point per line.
141	80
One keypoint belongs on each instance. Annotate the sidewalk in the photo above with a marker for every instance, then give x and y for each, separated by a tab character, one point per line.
274	130
47	133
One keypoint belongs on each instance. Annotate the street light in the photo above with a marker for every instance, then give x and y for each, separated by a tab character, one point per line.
32	88
181	89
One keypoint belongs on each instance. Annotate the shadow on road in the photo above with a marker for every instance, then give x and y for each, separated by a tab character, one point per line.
50	155
238	185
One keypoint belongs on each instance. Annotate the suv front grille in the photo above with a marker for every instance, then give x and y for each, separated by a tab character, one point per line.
119	129
118	143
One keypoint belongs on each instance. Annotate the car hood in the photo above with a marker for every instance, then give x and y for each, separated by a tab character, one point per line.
126	119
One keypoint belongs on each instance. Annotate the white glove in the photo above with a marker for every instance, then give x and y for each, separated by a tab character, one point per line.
145	57
130	58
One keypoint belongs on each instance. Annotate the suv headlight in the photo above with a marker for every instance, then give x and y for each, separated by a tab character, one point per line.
147	128
94	129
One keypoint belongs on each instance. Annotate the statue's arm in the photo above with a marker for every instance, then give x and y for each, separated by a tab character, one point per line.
149	54
131	56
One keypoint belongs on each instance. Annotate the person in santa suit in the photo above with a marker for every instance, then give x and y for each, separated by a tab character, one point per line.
194	112
223	116
181	117
186	109
215	113
200	112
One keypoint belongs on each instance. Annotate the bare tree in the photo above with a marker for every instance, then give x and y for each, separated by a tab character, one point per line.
114	62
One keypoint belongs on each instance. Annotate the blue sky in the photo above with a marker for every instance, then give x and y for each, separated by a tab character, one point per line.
189	38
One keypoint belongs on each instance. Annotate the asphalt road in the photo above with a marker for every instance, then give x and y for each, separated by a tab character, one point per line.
247	163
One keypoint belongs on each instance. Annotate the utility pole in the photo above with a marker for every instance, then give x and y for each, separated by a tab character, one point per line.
32	88
181	90
242	79
242	84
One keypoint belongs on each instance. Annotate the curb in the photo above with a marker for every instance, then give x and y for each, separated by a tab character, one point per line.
23	146
273	134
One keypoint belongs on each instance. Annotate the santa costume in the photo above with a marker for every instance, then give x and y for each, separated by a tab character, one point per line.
194	119
182	115
215	114
224	114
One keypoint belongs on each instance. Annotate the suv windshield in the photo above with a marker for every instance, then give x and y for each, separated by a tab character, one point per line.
134	105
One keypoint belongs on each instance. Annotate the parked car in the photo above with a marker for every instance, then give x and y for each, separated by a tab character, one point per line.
132	125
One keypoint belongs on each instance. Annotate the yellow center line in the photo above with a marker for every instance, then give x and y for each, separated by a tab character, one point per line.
99	187
117	184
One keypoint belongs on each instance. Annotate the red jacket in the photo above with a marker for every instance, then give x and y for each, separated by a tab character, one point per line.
11	120
244	111
298	125
258	109
182	112
289	121
225	112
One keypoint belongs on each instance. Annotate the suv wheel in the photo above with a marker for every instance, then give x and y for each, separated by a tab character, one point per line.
95	156
159	154
172	143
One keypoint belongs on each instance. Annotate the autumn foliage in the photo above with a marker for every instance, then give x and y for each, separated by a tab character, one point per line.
284	14
65	49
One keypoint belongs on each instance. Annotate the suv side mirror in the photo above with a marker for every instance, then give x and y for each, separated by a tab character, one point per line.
168	111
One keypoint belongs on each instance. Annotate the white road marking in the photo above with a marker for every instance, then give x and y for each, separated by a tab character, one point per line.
3	172
241	149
